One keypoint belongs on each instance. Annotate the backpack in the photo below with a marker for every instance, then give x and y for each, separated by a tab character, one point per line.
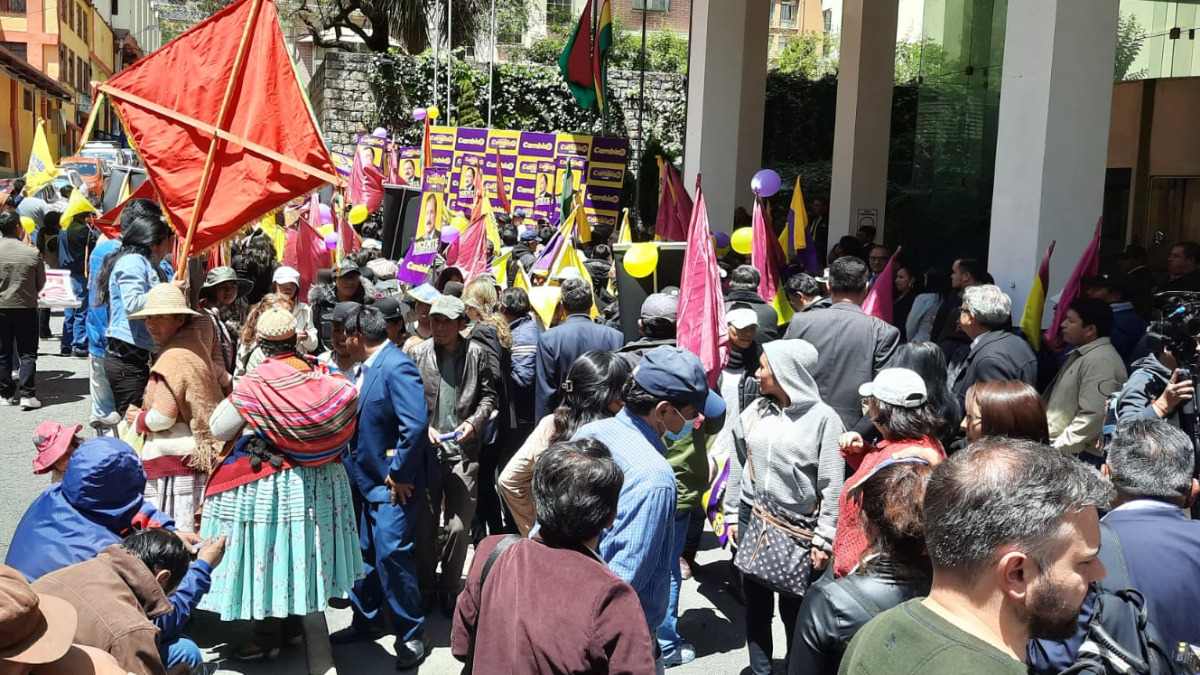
1118	637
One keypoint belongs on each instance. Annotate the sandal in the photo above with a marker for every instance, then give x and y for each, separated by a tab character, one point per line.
252	651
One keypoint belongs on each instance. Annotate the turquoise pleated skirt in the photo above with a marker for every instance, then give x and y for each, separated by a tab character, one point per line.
291	544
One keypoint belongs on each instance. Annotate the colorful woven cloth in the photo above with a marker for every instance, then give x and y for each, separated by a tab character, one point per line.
298	407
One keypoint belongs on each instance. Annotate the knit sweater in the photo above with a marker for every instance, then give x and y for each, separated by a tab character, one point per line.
180	441
794	449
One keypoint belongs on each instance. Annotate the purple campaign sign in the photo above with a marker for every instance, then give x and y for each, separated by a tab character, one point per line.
603	198
578	147
471	140
442	158
534	144
415	267
610	150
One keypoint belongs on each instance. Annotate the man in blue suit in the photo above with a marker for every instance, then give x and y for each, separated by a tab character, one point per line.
564	343
1151	464
391	463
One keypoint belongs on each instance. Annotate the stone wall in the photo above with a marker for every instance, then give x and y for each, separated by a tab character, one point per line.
341	96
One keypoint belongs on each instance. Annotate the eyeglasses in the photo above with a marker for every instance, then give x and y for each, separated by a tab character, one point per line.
878	258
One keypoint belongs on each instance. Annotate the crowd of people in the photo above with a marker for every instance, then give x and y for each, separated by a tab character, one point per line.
929	495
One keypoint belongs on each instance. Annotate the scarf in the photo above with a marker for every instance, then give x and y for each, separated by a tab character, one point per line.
299	407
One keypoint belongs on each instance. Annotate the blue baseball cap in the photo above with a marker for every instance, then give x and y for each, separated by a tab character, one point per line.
675	375
519	213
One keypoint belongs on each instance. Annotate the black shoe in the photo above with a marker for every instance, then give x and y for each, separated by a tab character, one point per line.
47	335
410	654
340	603
65	351
80	353
346	636
448	600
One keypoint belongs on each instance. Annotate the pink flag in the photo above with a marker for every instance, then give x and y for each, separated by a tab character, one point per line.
366	181
674	205
1088	265
469	252
765	254
879	299
348	239
702	328
305	249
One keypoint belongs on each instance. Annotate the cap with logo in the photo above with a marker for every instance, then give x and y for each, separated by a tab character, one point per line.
676	375
346	266
897	386
448	306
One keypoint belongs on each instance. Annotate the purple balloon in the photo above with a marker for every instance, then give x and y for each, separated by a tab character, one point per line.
326	214
722	239
420	114
379	132
449	234
765	183
331	241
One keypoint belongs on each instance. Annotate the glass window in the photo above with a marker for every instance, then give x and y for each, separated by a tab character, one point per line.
12	6
84	169
827	18
652	5
788	13
18	49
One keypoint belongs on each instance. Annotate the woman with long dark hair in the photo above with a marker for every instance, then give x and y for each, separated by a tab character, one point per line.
919	324
899	406
927	360
908	287
592	391
126	276
894	568
1005	408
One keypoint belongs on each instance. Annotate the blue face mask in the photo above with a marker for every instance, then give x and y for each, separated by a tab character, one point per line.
686	429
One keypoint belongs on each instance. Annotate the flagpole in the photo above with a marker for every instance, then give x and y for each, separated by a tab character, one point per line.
239	61
449	55
492	69
641	110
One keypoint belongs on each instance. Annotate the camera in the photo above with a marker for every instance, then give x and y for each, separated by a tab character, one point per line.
1177	330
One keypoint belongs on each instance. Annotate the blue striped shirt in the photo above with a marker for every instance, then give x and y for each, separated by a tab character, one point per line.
639	545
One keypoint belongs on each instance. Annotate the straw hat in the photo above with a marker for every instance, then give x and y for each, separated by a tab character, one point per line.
164	299
276	325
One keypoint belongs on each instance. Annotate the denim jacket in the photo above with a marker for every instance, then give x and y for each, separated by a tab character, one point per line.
132	277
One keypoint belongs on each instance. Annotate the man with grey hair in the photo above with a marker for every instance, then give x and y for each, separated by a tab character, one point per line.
743	288
996	352
1013	534
1151	465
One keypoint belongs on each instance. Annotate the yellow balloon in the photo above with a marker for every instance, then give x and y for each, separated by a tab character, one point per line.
460	223
325	230
433	112
641	259
742	240
358	213
29	224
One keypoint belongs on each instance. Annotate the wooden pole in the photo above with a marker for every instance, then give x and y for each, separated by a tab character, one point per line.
222	117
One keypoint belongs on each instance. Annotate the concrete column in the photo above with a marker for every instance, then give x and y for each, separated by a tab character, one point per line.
727	80
864	116
1052	140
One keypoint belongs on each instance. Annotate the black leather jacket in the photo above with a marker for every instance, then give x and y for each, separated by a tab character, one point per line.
833	611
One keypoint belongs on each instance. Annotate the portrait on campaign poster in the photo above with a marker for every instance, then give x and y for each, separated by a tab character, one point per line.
408	170
430	220
466	180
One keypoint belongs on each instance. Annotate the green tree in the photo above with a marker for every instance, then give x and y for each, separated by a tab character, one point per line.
377	22
811	55
512	20
466	105
1130	38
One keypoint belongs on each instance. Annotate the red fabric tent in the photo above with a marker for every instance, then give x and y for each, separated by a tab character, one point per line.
230	77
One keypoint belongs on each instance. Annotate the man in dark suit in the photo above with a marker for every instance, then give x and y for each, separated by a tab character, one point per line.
852	346
996	353
1183	268
965	273
1152	464
391	463
564	343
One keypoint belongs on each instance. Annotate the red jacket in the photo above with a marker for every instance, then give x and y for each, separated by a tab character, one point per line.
550	609
849	542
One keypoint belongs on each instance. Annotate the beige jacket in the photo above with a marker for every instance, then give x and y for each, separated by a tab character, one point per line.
1076	398
22	274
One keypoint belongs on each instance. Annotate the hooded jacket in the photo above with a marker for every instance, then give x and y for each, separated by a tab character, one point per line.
98	503
794	449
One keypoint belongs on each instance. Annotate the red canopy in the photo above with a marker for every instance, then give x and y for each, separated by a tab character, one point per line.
229	76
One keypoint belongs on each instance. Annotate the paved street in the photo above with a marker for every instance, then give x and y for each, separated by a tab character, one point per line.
711	618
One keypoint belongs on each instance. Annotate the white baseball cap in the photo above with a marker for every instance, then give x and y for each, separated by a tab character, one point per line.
897	386
286	275
742	318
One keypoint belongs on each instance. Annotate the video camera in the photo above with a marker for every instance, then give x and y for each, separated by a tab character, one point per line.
1177	330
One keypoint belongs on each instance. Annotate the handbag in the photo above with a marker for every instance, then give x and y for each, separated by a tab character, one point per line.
775	549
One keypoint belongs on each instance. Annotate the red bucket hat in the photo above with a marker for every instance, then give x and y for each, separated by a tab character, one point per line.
53	440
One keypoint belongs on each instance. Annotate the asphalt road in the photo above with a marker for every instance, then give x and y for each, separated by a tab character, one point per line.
711	618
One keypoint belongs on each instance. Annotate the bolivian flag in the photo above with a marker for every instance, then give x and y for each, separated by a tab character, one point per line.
575	63
604	40
1031	320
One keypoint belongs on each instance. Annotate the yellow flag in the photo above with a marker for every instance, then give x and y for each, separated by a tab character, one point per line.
545	300
41	165
500	269
626	236
521	279
77	205
277	234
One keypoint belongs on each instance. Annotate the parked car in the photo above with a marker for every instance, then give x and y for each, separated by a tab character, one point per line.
106	150
94	171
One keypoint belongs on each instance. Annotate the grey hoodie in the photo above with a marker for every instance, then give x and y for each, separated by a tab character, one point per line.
795	449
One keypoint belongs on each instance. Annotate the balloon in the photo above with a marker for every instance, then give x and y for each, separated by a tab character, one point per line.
459	223
29	224
331	241
742	240
433	111
379	132
324	230
765	183
326	214
358	213
641	259
721	239
449	234
420	113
